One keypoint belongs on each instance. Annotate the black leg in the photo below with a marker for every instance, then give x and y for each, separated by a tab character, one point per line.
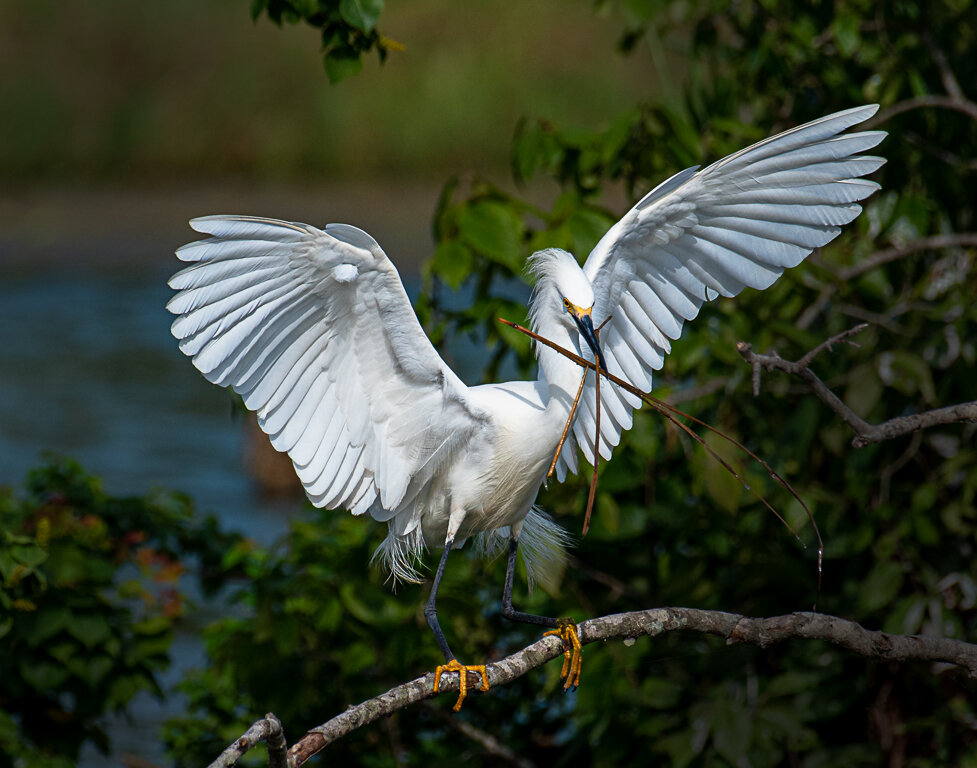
565	629
431	610
507	610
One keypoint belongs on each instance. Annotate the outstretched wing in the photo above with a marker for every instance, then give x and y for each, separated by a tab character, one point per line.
702	234
314	329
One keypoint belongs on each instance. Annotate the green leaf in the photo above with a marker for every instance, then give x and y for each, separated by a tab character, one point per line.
731	732
660	694
90	629
911	373
342	63
845	29
495	230
452	263
31	556
587	227
881	586
7	564
153	625
44	624
257	6
44	676
362	14
864	390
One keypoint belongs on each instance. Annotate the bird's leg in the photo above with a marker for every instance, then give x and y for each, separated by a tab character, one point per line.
565	628
431	609
431	614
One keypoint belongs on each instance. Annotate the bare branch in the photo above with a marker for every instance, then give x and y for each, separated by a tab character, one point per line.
268	729
486	740
965	106
865	433
401	696
762	632
932	243
946	73
841	337
877	259
677	396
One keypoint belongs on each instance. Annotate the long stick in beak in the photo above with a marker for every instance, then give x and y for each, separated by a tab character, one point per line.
591	494
586	325
669	412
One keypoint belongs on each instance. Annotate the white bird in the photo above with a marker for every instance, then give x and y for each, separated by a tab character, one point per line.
314	329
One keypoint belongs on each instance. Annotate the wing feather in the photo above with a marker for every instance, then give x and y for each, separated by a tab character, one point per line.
702	233
314	329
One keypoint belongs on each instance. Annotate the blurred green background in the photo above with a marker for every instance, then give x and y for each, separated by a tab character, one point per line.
501	127
121	117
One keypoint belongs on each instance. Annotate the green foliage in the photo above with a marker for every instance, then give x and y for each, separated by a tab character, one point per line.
319	629
90	590
348	29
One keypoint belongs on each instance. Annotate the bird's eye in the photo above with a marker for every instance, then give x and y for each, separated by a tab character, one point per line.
566	303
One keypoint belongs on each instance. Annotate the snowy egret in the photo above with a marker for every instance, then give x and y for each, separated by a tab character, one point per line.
314	329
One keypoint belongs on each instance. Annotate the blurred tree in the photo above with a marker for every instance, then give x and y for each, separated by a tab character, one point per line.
90	589
899	518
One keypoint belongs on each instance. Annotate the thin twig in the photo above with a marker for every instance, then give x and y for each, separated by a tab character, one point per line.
877	259
484	739
932	243
592	492
694	393
946	73
836	339
669	412
566	427
965	106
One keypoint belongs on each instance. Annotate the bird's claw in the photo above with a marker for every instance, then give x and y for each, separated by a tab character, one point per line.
566	630
455	666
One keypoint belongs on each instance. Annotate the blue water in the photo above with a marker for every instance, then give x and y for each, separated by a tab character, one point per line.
89	369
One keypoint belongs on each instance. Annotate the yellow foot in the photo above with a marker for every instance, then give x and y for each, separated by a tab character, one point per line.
566	630
455	666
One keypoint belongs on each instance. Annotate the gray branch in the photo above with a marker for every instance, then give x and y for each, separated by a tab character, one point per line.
762	632
865	433
268	729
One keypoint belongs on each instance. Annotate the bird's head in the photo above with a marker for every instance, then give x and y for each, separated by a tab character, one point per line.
563	291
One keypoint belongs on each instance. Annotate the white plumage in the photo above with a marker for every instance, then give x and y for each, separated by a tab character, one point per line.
313	328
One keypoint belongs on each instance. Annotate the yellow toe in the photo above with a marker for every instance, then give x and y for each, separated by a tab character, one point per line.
462	669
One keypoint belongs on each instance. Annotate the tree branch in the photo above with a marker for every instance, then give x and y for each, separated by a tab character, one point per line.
268	729
877	259
486	740
762	632
965	106
865	433
932	243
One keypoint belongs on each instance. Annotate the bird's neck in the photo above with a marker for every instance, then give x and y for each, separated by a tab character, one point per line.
562	375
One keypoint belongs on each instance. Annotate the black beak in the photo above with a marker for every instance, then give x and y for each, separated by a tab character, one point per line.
586	326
